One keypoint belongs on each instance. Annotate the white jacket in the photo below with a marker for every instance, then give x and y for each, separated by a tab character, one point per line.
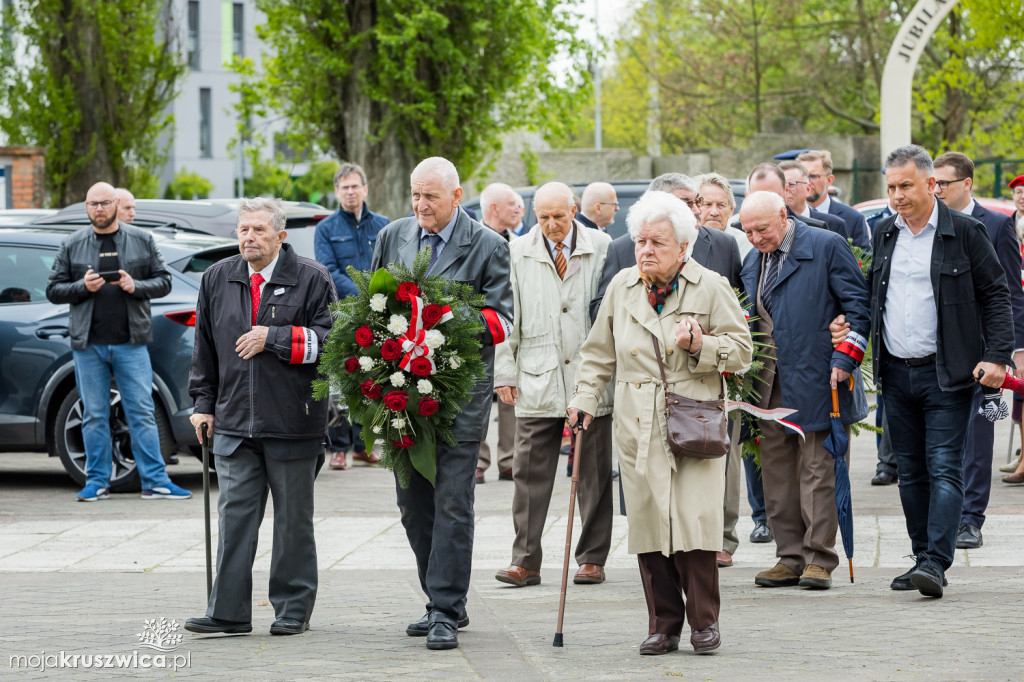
551	321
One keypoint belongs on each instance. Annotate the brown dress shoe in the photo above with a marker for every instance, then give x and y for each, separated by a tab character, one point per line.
706	640
505	475
779	575
1014	479
589	574
816	578
518	576
656	645
338	461
370	458
724	559
480	476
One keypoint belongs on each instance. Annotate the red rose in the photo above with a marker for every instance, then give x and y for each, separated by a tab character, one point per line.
406	442
391	350
364	337
407	291
428	406
351	365
371	389
420	367
432	314
396	400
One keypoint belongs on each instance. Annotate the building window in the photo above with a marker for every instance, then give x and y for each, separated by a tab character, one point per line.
237	31
205	124
193	35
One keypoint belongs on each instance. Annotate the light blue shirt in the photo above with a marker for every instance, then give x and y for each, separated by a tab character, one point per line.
910	321
444	234
567	240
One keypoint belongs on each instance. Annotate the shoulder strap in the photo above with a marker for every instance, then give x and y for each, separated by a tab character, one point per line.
661	363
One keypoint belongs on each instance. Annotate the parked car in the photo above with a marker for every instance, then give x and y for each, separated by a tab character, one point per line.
214	216
627	191
21	216
39	405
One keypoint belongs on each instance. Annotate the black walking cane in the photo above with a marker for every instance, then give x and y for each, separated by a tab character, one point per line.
206	511
578	432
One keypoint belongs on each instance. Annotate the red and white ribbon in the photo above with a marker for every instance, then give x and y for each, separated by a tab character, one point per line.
413	342
773	415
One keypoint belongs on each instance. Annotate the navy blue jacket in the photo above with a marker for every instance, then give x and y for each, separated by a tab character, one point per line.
856	226
1004	240
819	280
340	242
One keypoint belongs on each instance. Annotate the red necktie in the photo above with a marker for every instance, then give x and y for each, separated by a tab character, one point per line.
256	280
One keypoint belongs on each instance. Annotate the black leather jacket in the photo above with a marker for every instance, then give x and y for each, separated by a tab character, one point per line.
139	257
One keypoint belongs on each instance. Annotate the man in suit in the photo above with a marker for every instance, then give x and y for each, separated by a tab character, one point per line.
556	269
791	260
818	163
598	206
769	177
438	519
940	316
954	180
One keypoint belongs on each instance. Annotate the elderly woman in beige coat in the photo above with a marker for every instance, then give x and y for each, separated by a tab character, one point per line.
675	504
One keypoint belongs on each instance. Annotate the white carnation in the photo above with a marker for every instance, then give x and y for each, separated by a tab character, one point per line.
454	362
365	363
378	302
398	423
398	325
424	386
433	339
398	379
376	429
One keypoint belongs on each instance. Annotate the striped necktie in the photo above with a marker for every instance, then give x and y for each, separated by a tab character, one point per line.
433	241
560	260
771	278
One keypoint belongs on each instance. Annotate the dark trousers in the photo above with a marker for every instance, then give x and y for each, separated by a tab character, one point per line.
438	521
534	467
928	429
245	477
678	588
346	436
886	455
981	436
755	490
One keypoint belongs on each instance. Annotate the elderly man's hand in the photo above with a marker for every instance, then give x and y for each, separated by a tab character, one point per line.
507	394
838	377
993	374
838	328
252	342
198	419
574	416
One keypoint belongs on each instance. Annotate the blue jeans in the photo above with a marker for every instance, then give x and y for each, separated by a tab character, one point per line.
928	427
755	490
134	375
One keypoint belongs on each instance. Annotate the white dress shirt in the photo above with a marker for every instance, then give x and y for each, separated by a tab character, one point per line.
910	320
567	240
267	273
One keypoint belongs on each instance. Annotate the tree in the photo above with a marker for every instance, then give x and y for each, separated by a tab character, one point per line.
386	83
91	82
188	185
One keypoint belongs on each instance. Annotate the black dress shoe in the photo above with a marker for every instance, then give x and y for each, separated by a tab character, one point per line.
442	633
206	625
884	478
928	578
420	627
288	626
902	583
761	533
658	644
969	537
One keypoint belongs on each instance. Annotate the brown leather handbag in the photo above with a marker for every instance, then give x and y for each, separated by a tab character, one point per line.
696	428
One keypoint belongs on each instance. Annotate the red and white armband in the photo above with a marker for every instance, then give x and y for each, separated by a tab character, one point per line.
305	346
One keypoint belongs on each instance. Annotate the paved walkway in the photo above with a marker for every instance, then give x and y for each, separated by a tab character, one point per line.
83	579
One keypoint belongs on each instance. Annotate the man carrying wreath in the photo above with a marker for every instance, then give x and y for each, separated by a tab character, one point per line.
438	519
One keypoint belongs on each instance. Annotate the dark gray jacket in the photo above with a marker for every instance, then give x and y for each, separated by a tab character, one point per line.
477	256
139	258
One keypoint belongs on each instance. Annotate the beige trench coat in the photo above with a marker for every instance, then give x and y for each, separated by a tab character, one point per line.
674	505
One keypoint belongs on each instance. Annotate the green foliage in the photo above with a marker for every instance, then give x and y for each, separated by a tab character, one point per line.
188	185
458	363
268	179
91	82
317	183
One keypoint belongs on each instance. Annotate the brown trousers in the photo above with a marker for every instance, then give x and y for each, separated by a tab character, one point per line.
678	588
506	440
534	468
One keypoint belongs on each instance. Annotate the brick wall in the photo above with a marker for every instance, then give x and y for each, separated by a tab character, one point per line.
24	169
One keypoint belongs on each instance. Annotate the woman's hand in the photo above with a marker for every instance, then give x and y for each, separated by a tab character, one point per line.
574	416
689	335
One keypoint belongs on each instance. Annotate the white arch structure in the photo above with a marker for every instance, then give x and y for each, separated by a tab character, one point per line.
898	76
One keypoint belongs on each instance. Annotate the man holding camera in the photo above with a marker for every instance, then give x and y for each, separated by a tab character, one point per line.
108	274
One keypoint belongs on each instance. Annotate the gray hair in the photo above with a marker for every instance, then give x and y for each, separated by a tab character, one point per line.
439	166
669	182
910	153
264	205
655	206
721	182
492	194
348	169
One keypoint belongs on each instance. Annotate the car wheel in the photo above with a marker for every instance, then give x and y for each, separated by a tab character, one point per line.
67	435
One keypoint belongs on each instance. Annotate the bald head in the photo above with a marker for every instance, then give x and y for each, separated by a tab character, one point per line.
499	205
101	206
555	210
125	205
599	203
764	220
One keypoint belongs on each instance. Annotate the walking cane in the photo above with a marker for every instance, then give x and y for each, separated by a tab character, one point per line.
577	450
206	510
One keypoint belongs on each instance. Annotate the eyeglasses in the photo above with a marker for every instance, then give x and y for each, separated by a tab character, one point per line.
814	177
795	183
99	204
943	184
609	203
698	202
